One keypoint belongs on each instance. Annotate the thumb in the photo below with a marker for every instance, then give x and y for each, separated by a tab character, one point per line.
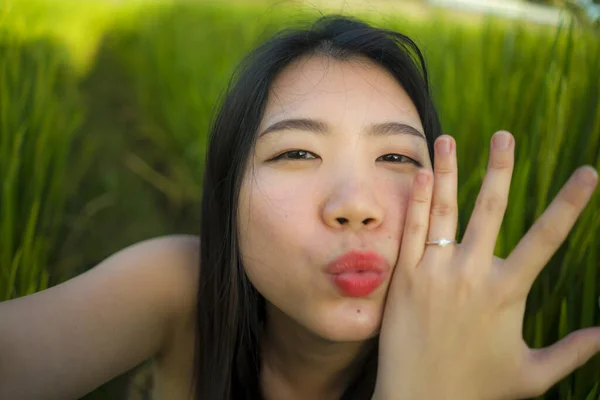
553	363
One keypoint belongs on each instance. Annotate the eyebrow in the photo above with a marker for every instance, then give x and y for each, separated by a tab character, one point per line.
315	126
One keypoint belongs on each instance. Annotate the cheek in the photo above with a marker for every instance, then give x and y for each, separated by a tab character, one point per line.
274	220
270	210
395	199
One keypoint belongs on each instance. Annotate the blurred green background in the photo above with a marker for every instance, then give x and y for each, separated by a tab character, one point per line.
105	106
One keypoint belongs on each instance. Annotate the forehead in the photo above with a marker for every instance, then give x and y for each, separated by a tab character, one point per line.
353	92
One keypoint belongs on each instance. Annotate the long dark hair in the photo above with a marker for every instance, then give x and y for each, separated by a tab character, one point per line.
230	312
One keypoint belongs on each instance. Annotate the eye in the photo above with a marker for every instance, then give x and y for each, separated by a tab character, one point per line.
398	158
307	155
295	155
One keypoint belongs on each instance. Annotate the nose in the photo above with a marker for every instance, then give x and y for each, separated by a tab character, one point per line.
352	204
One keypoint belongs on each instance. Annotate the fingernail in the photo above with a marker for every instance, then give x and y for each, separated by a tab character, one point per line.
587	176
501	140
443	146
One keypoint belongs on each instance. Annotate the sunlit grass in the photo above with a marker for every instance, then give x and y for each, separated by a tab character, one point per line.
39	115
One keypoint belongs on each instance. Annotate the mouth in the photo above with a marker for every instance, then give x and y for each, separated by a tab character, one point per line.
358	274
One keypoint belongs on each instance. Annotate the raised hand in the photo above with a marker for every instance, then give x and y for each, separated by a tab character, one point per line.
452	324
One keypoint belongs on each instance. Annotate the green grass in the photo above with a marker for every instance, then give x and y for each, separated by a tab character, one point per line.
39	115
168	65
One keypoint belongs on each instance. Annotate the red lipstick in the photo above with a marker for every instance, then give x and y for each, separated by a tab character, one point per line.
357	273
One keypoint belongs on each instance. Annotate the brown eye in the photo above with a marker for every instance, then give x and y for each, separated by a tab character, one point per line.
295	155
398	158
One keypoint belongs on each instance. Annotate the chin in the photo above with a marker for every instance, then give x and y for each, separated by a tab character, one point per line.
358	334
355	324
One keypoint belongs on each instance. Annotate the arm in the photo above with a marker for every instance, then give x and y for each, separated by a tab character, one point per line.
65	341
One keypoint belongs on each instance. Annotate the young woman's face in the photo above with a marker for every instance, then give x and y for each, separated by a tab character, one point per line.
334	178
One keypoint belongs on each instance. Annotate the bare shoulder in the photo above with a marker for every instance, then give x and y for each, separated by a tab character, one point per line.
178	261
172	265
69	339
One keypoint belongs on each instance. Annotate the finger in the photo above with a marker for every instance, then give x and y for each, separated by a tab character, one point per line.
444	209
550	230
551	364
486	219
417	220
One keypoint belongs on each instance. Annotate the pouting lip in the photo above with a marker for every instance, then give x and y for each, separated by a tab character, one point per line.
355	261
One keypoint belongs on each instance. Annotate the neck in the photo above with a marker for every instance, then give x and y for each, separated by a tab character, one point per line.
297	364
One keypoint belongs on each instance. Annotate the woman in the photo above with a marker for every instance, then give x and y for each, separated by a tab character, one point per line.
328	267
